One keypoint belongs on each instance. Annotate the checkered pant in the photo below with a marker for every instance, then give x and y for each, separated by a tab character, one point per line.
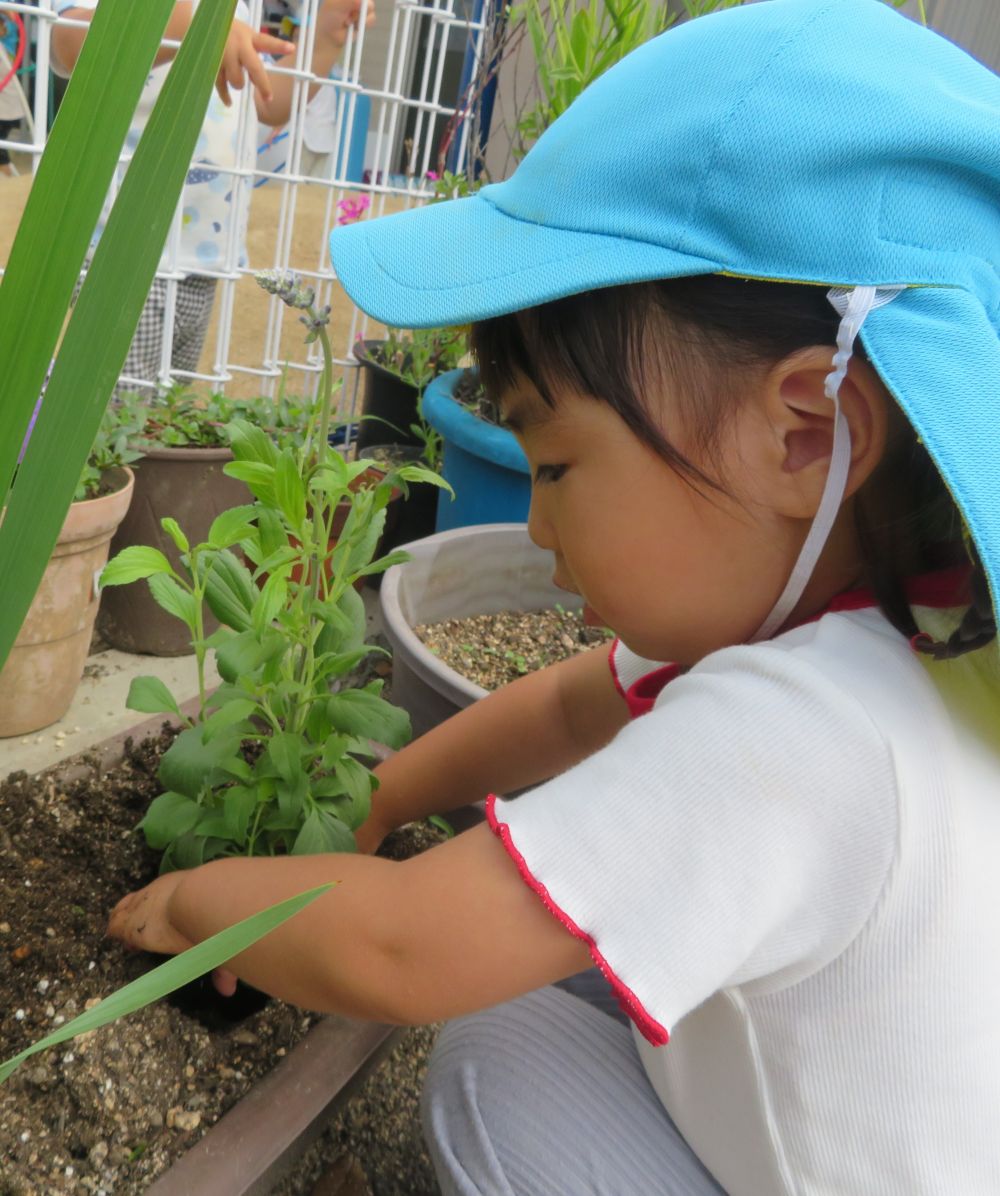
192	312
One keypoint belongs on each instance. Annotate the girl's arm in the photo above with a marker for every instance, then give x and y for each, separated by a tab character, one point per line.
333	20
451	931
520	735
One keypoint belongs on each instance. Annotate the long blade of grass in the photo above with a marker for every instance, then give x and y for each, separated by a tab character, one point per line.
105	316
187	966
65	202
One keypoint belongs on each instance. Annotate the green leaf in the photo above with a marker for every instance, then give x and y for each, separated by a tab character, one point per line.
259	477
231	714
271	532
339	664
289	489
239	803
232	526
196	961
418	473
169	816
350	787
174	599
173	530
243	655
249	443
322	832
190	764
272	599
334	749
134	563
149	695
285	751
230	592
442	824
361	712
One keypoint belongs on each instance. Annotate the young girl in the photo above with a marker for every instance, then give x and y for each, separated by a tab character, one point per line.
780	849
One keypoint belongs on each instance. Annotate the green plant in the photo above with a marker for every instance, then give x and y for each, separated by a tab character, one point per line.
575	43
573	46
112	447
182	416
274	761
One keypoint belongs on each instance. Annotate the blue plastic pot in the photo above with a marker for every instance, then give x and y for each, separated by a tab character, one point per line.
484	464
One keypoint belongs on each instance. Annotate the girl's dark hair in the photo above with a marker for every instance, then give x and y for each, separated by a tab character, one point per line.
706	333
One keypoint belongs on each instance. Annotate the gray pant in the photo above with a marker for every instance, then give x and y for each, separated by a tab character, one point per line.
545	1096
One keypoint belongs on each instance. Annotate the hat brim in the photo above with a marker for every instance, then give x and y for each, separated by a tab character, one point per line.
465	260
938	352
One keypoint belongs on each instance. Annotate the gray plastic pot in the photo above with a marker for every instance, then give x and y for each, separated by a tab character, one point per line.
467	571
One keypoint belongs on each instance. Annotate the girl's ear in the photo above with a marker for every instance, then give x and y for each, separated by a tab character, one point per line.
800	419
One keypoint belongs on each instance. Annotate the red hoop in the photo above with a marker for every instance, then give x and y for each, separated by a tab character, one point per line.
19	53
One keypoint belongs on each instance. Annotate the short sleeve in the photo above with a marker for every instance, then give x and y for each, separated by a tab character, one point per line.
740	832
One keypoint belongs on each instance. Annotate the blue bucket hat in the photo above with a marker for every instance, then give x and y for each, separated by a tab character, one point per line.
816	141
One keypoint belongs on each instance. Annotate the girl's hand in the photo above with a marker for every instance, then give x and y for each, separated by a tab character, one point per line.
336	17
141	921
242	55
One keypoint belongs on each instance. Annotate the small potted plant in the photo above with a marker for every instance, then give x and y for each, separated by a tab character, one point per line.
43	670
481	461
180	474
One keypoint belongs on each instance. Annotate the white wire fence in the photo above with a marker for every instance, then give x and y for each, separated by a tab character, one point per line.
403	104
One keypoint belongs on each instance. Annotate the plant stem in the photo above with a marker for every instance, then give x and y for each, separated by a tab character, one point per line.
320	546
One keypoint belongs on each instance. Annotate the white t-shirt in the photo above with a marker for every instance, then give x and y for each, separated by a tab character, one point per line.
207	204
790	866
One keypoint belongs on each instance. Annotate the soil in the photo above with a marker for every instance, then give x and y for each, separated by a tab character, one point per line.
494	650
107	1112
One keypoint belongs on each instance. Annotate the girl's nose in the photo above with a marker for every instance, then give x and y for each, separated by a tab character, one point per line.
539	528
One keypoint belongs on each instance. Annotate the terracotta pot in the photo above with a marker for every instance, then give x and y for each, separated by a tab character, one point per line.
188	485
45	665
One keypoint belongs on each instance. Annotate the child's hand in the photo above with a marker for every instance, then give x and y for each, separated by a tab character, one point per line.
141	921
242	54
336	17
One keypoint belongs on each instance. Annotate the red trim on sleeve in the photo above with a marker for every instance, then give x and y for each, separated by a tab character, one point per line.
648	1026
614	669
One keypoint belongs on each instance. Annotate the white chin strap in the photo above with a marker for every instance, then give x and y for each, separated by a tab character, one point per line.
853	305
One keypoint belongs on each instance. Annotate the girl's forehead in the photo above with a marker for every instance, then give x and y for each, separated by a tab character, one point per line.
521	407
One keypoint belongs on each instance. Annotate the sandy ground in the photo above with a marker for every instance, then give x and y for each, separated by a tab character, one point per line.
249	345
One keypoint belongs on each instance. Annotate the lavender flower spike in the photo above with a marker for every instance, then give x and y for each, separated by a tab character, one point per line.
287	285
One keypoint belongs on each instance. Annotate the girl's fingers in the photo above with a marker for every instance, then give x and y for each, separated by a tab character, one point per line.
224	981
264	43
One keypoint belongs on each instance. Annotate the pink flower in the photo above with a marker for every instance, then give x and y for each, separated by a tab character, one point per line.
433	175
353	209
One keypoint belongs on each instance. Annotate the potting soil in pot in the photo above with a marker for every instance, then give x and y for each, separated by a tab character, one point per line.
109	1111
494	650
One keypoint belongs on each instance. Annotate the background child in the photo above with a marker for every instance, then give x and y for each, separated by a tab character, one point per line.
207	206
780	848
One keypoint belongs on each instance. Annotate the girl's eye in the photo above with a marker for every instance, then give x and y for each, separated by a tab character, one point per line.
549	473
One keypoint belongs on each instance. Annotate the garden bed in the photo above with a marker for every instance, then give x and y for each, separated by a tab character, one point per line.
112	1110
